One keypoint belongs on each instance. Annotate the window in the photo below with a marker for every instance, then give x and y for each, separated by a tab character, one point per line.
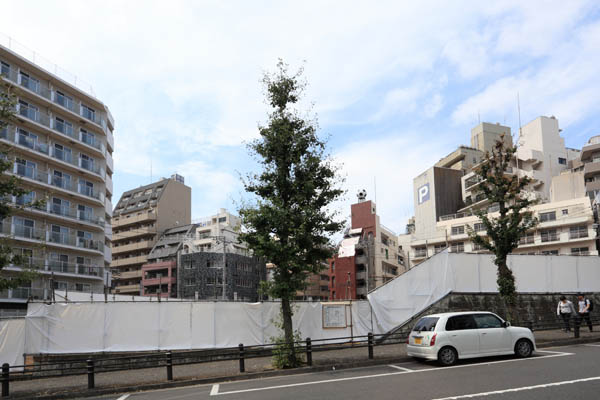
62	153
562	161
421	251
576	232
61	180
333	281
4	68
332	267
458	230
527	238
82	287
222	219
27	139
479	227
28	110
565	211
26	168
486	321
86	162
426	324
548	216
460	322
477	247
24	227
549	235
550	252
64	100
386	254
438	248
59	234
25	199
87	137
458	247
88	112
85	213
63	126
86	188
580	251
29	82
60	285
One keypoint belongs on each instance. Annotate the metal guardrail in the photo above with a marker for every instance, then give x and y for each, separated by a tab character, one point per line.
92	365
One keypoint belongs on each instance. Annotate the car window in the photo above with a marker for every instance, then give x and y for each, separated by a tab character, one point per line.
460	322
485	321
426	324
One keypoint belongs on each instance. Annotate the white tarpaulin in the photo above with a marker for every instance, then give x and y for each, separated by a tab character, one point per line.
139	326
135	326
402	298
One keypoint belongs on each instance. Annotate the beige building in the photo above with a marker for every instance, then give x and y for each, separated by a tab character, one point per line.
62	142
140	217
214	232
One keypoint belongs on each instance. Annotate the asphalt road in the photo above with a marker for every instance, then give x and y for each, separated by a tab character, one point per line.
571	372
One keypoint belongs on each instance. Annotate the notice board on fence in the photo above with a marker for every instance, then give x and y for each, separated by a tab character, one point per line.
334	315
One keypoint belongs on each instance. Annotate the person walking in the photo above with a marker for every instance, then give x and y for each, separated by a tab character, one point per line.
584	311
565	310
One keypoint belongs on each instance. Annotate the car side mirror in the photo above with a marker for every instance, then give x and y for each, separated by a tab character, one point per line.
506	324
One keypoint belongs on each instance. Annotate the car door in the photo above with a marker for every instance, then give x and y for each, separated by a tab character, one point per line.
494	338
462	333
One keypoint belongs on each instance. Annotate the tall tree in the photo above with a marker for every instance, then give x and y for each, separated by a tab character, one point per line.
10	185
514	218
290	223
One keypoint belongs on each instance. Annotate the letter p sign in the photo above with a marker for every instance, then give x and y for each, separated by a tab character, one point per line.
423	193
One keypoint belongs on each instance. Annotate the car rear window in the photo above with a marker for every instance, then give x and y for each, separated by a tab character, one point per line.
426	324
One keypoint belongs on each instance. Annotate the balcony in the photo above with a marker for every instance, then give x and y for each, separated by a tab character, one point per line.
76	241
578	234
420	253
361	275
74	214
73	268
124	220
92	141
128	274
143	245
24	293
551	237
22	140
527	240
134	232
60	182
91	167
128	289
33	114
128	261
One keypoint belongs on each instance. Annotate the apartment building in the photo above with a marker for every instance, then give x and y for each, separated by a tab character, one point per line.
139	219
62	143
159	275
556	172
589	164
367	257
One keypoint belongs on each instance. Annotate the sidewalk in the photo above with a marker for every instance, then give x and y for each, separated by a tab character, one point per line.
113	382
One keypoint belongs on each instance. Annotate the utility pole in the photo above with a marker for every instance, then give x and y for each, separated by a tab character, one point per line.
224	267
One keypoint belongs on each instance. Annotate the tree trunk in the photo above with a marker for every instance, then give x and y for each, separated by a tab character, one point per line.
506	286
288	330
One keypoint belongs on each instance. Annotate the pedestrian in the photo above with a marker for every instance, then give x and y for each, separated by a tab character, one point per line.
565	310
585	306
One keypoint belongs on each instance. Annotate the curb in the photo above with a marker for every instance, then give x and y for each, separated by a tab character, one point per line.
250	375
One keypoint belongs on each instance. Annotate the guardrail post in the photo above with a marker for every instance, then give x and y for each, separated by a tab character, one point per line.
308	352
576	326
5	379
370	343
90	373
242	365
169	366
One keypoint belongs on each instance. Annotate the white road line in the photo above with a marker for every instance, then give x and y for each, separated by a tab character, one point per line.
546	385
556	354
215	390
125	396
552	352
401	368
592	345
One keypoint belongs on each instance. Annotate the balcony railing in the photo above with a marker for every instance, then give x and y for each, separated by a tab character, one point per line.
75	241
552	237
65	102
22	140
75	214
93	142
578	234
90	166
420	253
527	240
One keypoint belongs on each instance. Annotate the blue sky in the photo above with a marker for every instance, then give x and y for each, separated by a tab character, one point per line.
396	85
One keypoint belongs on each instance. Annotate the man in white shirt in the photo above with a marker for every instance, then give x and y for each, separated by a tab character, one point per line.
584	311
565	310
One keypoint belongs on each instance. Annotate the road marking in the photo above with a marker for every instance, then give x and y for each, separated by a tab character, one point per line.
592	345
215	390
546	385
124	397
401	368
554	354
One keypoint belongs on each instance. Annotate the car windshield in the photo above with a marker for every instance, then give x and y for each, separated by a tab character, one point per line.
426	324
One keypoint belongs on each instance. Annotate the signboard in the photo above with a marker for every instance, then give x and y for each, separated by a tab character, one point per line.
334	316
423	193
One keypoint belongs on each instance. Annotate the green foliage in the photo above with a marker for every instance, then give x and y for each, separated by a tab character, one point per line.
10	186
515	218
289	224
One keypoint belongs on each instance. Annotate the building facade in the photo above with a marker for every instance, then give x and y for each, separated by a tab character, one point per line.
367	257
139	219
62	143
567	221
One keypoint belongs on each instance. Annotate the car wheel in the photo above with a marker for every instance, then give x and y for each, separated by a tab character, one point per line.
447	356
523	348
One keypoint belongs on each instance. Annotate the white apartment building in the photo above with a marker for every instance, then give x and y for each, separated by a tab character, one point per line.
214	232
62	143
567	217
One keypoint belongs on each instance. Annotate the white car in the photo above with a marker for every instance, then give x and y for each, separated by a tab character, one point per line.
451	336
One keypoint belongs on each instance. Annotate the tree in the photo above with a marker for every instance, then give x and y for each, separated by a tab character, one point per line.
515	217
290	223
10	185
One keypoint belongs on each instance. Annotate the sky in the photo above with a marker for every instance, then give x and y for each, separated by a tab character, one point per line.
395	85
